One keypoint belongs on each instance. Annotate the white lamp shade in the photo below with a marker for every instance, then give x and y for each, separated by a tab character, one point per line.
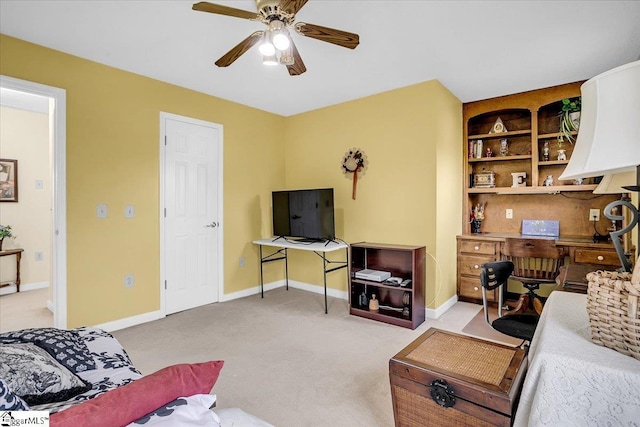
609	137
612	184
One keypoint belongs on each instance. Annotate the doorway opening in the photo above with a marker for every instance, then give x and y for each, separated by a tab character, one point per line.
53	100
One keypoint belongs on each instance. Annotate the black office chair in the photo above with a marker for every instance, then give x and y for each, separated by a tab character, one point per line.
519	325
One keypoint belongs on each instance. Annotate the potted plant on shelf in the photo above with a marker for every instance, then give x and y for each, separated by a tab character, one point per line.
5	231
569	119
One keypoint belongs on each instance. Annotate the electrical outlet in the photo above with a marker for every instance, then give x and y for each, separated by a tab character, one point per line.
39	256
594	214
509	213
241	261
128	281
101	211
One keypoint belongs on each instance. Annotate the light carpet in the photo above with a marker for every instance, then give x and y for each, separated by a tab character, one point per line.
478	327
25	309
286	361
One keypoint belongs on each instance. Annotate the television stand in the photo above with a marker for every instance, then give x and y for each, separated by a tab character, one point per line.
320	248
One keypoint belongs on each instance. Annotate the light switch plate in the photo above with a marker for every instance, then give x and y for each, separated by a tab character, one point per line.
129	211
101	211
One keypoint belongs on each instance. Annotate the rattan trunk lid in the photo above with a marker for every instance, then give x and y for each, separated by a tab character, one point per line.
484	377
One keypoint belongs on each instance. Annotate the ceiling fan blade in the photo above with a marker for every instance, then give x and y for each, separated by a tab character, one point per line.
330	35
292	6
238	50
204	6
298	66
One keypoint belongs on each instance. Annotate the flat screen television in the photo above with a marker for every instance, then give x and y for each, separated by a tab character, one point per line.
306	214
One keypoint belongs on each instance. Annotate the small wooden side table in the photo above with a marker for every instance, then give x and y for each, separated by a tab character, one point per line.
573	277
18	253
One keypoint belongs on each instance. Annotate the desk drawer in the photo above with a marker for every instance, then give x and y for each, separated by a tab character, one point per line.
472	265
477	247
596	256
470	288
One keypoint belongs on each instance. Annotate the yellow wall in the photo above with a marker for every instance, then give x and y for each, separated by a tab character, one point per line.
113	158
411	190
410	193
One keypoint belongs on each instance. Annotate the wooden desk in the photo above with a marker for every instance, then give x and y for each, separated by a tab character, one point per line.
477	249
18	253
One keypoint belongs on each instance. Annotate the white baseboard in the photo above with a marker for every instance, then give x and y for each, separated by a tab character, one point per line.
131	321
435	313
251	291
280	284
23	287
318	289
155	315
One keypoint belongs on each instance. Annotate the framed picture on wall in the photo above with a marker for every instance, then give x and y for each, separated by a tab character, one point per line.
8	180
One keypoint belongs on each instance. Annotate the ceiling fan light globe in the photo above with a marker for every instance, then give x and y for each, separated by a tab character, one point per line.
287	59
267	49
281	41
269	60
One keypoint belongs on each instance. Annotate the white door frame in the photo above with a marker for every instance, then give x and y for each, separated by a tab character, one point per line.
59	140
163	275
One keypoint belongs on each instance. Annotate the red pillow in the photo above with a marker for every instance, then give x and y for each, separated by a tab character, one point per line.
126	404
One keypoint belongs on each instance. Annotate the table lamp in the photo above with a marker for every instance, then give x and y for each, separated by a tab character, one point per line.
609	137
615	184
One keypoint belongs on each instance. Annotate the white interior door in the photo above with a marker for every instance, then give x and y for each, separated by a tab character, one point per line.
192	258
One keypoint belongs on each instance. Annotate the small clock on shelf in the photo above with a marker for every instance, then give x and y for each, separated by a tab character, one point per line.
498	127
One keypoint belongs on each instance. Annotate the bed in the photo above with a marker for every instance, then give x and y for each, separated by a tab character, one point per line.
84	377
571	381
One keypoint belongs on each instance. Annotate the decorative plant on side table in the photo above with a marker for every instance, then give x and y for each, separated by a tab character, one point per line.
569	119
5	231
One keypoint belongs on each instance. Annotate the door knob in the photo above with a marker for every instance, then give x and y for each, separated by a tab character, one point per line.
212	225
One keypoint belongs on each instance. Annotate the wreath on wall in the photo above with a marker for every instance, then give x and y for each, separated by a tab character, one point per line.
354	164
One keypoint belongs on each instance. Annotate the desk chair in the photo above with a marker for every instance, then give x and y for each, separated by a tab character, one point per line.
520	325
536	262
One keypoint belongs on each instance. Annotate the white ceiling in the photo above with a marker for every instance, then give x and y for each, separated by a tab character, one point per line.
477	49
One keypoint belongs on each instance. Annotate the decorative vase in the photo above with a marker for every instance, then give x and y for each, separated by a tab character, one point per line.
504	147
363	300
373	303
475	226
575	119
545	152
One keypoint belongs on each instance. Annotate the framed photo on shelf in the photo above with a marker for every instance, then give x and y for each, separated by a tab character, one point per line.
8	180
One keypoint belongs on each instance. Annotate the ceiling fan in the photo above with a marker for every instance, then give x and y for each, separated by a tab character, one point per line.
276	44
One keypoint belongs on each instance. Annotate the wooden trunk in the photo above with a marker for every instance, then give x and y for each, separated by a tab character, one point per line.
447	379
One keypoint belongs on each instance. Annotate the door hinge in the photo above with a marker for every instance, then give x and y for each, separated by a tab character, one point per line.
165	212
165	140
165	285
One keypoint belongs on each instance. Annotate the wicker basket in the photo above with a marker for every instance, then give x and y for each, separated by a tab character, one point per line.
614	312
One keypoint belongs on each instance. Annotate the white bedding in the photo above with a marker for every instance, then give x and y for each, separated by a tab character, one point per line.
572	381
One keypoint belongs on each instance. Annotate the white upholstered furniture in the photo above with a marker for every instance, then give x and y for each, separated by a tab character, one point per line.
572	381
